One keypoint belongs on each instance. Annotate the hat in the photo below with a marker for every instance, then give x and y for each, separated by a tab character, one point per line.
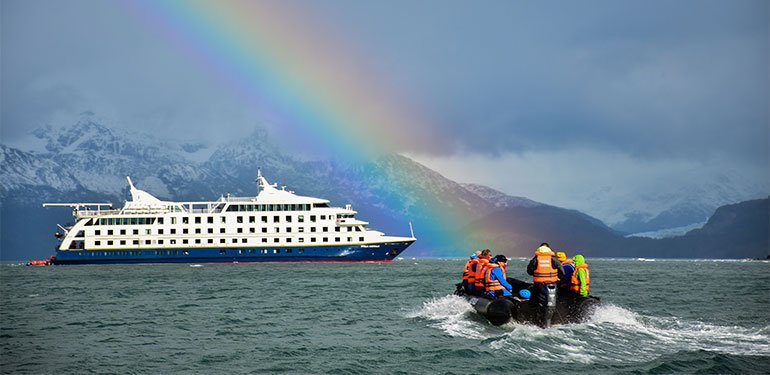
501	258
525	293
562	256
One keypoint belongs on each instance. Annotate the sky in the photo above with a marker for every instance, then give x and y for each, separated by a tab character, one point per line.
555	101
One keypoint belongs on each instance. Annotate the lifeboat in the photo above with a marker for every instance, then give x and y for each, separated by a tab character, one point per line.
558	308
41	262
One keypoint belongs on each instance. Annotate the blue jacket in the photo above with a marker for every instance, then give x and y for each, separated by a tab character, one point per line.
568	270
497	274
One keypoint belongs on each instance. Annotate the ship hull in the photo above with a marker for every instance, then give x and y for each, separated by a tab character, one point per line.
382	252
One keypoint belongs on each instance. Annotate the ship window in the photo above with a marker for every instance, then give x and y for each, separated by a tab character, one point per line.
240	230
292	207
221	230
323	217
210	230
253	251
275	240
148	232
264	240
109	232
243	240
276	219
173	242
136	232
320	205
224	219
146	242
288	229
264	219
197	240
221	240
185	220
358	229
184	241
252	219
312	239
97	243
97	232
336	239
264	230
288	251
326	239
234	240
252	230
277	230
122	232
278	207
285	207
350	239
301	229
173	231
270	207
350	229
197	230
134	221
222	252
142	221
288	240
312	218
239	219
326	229
160	242
264	251
301	218
210	220
361	239
185	231
336	229
312	229
211	240
122	242
160	231
301	240
109	243
276	251
197	220
160	220
173	220
288	219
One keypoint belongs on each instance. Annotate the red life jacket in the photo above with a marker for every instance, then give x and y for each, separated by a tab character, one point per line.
575	282
469	273
545	273
480	269
489	284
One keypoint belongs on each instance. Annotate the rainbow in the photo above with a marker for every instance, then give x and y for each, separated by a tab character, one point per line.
298	71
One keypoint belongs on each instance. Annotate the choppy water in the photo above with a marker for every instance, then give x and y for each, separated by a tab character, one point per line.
361	318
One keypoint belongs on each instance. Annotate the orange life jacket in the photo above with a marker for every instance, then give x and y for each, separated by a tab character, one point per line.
479	277
575	282
545	273
569	261
469	273
489	284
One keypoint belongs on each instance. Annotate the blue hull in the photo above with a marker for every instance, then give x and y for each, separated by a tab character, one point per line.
384	252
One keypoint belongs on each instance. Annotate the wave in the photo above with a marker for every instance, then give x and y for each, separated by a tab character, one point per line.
612	334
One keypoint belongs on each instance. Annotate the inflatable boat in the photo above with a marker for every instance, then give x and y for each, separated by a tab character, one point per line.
546	307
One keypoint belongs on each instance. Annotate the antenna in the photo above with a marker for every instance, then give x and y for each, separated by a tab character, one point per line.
411	229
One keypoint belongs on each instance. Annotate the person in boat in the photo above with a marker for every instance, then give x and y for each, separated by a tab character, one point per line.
581	279
546	270
478	286
568	265
495	281
469	272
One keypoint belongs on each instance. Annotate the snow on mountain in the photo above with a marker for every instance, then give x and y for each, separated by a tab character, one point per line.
21	170
670	232
498	198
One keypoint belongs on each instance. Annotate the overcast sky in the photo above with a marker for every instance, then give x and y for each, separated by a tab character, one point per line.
583	93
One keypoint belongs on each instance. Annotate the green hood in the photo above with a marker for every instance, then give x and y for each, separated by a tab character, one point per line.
578	259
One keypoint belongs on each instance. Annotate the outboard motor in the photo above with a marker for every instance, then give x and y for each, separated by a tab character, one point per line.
549	291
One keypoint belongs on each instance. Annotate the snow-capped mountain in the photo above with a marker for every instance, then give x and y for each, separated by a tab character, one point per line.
498	198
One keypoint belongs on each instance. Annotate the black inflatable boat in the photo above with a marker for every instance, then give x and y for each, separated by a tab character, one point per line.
547	307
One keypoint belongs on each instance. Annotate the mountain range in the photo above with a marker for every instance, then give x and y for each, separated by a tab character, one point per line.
89	161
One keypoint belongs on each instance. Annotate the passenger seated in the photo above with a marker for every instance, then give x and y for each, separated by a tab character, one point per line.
494	279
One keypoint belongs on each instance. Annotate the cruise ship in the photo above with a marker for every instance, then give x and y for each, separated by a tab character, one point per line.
276	225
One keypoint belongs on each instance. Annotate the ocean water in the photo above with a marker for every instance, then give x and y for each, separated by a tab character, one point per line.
664	316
